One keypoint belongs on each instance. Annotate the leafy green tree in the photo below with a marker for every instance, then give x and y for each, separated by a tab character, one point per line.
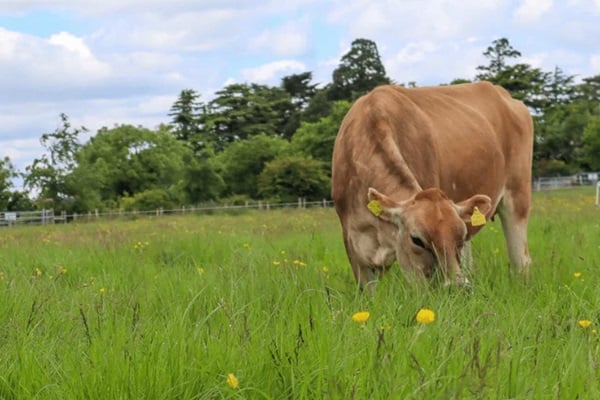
7	174
559	135
127	160
589	90
202	179
289	178
240	111
497	54
301	92
315	139
300	89
244	160
48	174
360	70
318	107
591	144
559	88
186	116
521	80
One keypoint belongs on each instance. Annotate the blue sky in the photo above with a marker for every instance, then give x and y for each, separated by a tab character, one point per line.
125	61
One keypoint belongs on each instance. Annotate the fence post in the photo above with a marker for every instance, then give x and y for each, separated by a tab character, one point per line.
598	193
63	216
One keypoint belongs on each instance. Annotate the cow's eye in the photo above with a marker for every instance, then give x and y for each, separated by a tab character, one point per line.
417	241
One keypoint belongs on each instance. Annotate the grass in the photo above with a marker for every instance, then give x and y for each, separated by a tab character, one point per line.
166	308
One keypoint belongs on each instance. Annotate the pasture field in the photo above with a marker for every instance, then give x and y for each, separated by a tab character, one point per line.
259	306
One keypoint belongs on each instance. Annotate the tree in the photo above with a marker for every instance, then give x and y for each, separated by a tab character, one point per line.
244	160
185	114
7	174
125	161
319	106
300	89
559	88
559	135
240	111
360	70
47	175
591	144
497	53
288	178
524	82
315	139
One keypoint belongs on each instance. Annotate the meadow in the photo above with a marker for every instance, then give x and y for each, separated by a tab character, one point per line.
260	305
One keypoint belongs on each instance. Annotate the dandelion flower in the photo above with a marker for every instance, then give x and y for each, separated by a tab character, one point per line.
577	274
425	316
102	290
584	323
232	380
361	316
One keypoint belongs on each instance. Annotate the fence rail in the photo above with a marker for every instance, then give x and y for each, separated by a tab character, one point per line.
43	217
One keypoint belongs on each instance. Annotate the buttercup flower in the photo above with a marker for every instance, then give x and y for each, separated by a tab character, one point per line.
362	316
584	323
577	274
232	380
425	316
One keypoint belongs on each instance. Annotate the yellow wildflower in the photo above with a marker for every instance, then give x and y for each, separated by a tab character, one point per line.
425	316
102	290
361	316
577	274
276	263
584	323
232	380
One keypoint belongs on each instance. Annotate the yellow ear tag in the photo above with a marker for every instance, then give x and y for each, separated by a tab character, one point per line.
375	207
477	219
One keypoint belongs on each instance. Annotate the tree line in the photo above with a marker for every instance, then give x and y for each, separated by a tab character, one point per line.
255	141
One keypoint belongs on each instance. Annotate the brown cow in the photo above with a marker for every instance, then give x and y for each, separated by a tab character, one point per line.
427	159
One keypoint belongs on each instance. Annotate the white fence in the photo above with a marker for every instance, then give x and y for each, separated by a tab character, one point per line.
12	218
581	179
9	219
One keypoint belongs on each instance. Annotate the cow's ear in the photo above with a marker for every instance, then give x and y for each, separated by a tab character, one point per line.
475	209
383	206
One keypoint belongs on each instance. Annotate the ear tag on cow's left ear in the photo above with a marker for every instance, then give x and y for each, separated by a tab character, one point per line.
375	207
477	219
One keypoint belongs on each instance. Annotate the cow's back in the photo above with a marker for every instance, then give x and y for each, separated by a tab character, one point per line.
463	139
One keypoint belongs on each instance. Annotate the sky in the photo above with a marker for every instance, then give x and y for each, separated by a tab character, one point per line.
110	62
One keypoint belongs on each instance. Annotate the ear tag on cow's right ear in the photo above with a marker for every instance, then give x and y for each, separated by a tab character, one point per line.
477	219
375	207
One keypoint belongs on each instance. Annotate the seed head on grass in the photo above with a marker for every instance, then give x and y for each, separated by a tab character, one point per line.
425	316
232	381
361	316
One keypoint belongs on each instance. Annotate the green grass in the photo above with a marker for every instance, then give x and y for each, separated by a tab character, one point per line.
165	308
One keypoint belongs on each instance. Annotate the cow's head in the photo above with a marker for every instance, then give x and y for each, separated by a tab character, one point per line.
432	230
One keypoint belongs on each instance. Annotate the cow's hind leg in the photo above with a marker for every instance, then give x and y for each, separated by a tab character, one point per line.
514	213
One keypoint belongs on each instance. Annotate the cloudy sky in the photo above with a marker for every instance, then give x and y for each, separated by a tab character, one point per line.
125	61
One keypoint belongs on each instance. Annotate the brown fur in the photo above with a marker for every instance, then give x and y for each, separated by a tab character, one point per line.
470	142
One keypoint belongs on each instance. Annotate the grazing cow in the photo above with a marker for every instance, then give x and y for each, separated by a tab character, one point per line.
415	172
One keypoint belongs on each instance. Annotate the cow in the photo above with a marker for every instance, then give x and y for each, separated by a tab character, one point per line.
416	172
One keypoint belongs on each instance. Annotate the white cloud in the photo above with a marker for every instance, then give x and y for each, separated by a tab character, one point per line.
532	10
595	63
271	71
289	39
